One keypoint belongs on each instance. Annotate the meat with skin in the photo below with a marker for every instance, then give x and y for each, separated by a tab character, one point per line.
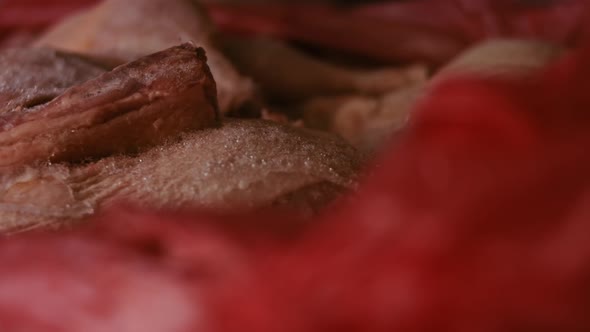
35	76
123	30
139	104
244	164
286	74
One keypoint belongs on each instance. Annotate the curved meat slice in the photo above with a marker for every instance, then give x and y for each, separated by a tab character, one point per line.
142	103
244	164
287	74
510	58
124	30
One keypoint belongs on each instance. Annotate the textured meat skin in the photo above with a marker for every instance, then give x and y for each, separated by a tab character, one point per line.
136	105
35	76
245	164
124	30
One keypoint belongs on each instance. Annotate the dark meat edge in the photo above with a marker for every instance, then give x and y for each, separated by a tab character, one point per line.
108	97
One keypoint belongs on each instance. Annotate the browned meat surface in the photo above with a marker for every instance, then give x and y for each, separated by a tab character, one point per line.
124	30
139	104
29	77
245	164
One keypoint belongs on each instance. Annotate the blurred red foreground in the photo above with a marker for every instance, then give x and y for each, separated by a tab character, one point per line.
478	219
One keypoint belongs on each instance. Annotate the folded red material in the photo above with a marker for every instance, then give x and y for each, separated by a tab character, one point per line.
476	220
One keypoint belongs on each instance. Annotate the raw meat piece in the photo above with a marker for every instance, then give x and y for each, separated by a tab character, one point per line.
286	74
124	30
241	165
139	104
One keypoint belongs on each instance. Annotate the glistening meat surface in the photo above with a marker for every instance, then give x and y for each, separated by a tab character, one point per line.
139	104
244	164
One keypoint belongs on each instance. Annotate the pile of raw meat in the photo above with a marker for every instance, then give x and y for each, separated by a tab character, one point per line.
183	166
